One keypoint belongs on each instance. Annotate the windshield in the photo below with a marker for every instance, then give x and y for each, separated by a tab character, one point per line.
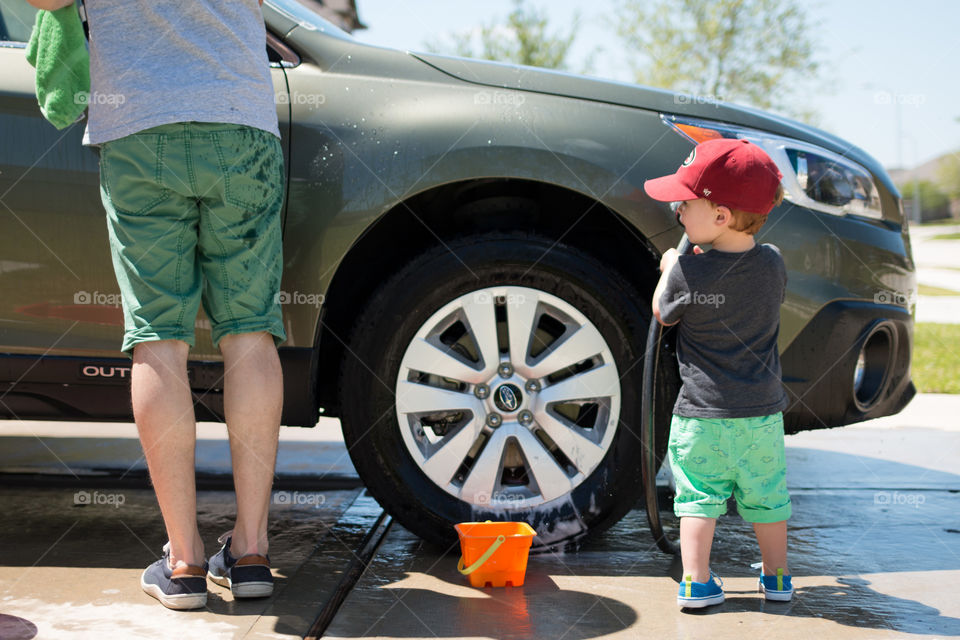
306	18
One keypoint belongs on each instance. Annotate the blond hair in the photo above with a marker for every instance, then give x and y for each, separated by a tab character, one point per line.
750	223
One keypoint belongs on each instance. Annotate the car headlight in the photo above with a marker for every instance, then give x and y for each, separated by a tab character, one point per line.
813	177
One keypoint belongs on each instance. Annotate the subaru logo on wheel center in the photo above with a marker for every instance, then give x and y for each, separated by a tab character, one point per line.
507	398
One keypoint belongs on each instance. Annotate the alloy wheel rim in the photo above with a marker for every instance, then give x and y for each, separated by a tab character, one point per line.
508	397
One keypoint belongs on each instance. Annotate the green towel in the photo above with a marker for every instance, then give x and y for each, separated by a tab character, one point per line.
58	51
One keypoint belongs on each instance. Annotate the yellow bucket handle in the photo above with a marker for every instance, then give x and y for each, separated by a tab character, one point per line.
486	556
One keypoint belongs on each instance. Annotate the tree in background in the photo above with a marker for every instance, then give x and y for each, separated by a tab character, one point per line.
948	179
934	203
757	52
523	39
948	176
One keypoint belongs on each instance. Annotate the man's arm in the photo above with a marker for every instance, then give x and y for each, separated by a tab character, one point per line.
50	5
53	5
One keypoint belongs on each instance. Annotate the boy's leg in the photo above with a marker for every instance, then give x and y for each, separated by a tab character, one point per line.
696	540
253	399
703	485
761	492
163	410
772	539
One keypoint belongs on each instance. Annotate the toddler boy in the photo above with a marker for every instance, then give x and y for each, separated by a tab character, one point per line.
727	429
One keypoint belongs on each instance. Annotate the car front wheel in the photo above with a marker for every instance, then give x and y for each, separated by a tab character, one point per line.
498	378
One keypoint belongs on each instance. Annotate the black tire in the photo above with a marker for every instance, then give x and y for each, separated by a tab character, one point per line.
406	301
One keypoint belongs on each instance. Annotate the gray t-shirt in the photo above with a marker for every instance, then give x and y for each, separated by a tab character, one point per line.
728	305
155	62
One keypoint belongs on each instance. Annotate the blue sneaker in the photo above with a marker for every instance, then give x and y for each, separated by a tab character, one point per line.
778	587
694	595
181	588
247	577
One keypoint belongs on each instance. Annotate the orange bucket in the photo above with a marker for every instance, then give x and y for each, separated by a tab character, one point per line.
495	553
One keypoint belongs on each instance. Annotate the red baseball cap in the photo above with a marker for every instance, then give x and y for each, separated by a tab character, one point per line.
735	173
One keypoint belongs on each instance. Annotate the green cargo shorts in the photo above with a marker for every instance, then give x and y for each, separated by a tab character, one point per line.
712	457
193	215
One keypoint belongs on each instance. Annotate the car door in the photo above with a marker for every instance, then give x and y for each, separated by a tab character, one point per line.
58	293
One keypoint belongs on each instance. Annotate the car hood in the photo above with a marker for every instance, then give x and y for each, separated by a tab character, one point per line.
534	79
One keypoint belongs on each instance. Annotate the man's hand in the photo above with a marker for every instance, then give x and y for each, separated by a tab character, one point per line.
50	5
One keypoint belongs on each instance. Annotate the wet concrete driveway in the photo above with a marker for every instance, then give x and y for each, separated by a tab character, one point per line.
874	549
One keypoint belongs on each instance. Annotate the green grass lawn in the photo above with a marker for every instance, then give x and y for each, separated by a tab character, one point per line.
946	236
936	357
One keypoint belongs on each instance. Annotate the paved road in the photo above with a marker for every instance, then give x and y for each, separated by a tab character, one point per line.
875	550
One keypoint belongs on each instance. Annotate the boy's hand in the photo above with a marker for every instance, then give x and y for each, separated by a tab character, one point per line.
672	255
668	259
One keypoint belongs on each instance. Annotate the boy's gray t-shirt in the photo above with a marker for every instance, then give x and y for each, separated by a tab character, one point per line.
155	62
728	305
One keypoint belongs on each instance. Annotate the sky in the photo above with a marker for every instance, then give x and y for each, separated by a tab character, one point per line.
890	81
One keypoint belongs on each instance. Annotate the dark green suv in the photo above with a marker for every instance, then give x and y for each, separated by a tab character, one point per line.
469	259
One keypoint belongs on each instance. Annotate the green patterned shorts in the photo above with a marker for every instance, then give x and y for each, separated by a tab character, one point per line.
193	215
714	457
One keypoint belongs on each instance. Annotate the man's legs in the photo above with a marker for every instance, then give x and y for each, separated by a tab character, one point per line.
253	399
241	178
163	410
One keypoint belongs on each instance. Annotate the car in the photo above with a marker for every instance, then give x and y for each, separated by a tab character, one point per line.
469	258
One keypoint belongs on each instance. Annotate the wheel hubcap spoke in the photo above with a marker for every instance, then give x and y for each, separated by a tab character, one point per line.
428	358
584	343
480	485
521	319
601	382
545	424
581	451
481	316
421	398
552	481
441	466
